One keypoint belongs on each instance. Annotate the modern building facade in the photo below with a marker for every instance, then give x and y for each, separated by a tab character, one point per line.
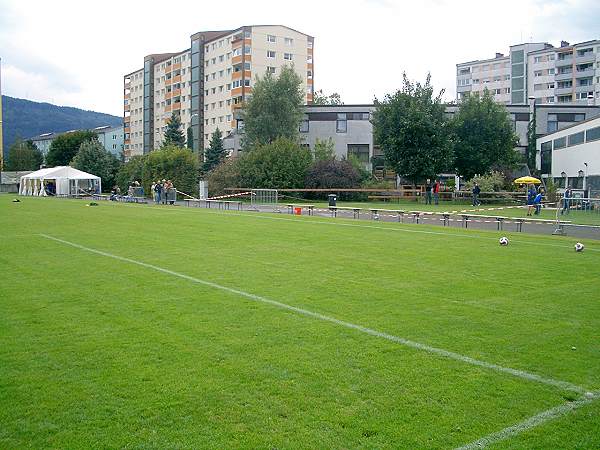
208	82
571	157
569	74
110	137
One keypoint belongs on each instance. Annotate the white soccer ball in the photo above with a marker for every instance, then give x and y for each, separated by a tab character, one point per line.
503	240
375	216
579	247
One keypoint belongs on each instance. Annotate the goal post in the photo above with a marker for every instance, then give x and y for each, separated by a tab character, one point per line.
263	197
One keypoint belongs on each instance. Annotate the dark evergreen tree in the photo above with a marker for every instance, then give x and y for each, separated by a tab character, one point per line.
215	153
174	136
190	139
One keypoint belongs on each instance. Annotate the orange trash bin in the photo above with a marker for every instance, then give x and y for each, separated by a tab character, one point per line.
298	211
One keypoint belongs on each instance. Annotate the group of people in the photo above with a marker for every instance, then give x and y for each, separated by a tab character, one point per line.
161	190
432	190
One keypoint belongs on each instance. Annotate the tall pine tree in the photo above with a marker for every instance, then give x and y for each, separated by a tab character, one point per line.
215	153
174	136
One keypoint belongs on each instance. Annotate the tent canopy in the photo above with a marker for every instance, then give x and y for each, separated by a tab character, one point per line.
52	173
60	180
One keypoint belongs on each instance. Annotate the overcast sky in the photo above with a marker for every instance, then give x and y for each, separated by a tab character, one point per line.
71	53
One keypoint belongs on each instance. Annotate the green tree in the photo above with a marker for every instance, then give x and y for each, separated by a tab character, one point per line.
23	155
225	175
411	128
93	158
324	149
319	98
173	163
275	109
190	138
174	136
483	136
281	164
215	153
531	150
64	148
130	171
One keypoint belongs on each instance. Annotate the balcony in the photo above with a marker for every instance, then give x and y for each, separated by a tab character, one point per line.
564	76
564	91
588	73
587	58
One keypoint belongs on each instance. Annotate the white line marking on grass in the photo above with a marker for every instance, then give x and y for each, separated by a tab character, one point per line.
532	422
406	342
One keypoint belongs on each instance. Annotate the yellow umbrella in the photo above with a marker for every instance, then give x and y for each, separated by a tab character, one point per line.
527	180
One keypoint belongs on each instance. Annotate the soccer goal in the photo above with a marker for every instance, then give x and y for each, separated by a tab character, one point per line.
264	197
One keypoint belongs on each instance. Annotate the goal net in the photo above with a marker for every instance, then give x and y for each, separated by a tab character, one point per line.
263	197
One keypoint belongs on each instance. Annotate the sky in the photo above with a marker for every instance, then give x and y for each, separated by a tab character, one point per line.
72	53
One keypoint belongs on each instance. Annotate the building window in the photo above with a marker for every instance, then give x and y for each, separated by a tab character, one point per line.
341	124
574	139
304	126
287	56
289	41
359	151
560	143
593	134
271	38
537	73
270	54
270	69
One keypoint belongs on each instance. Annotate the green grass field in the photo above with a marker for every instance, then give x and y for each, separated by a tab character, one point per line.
130	326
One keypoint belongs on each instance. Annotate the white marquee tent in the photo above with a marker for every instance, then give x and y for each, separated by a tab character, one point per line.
60	181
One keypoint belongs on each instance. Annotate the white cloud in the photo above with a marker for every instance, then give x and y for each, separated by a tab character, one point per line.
70	53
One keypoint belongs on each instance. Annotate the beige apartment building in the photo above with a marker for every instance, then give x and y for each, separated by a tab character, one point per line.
569	74
206	83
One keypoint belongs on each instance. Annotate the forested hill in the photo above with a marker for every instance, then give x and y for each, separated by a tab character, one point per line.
26	119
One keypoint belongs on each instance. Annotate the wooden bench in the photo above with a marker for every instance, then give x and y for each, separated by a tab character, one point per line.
399	212
291	207
385	197
189	201
521	220
335	209
224	204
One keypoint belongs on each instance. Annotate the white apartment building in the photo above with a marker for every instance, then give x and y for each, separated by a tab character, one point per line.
208	82
566	74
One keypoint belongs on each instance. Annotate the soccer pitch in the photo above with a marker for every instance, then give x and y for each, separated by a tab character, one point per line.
129	326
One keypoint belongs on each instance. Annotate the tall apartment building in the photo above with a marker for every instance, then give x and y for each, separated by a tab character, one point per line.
565	74
206	83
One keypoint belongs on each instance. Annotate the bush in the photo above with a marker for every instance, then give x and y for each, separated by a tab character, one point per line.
225	175
130	171
494	181
177	164
280	164
333	174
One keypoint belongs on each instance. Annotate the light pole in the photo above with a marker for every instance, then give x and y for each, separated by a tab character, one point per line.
532	136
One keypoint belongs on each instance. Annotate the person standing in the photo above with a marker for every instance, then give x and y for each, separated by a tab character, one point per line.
157	192
530	200
436	192
567	201
476	191
428	188
537	202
